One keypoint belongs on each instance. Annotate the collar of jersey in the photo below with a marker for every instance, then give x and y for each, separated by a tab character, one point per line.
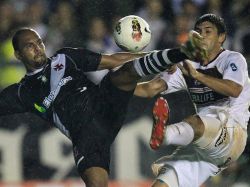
222	50
38	70
34	72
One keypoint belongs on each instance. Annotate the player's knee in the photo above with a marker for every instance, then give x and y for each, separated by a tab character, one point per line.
96	183
125	78
166	178
159	183
198	126
95	177
212	127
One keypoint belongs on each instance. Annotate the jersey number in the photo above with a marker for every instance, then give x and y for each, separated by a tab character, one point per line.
233	66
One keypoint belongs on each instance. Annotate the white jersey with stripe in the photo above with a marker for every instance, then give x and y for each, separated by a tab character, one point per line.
228	65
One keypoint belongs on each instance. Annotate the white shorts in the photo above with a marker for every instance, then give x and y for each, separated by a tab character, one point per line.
222	143
185	173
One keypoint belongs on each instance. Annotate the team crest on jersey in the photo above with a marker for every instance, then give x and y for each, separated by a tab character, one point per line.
136	34
43	78
58	67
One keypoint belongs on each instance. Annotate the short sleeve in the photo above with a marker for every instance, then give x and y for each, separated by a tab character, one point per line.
84	59
235	69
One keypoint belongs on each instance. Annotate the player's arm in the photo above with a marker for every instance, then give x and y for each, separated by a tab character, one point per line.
9	101
151	88
87	60
117	59
222	86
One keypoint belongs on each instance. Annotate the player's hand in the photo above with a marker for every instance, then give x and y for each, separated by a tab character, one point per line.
187	69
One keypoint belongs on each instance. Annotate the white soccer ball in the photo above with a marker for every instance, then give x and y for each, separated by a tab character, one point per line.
132	33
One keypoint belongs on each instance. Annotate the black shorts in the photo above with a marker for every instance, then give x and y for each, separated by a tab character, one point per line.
97	116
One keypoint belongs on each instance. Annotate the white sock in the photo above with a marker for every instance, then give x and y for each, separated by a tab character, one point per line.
179	134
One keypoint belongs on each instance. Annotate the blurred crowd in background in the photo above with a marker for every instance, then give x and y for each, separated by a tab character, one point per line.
89	23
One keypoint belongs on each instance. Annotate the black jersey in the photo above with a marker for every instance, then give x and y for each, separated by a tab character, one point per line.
44	90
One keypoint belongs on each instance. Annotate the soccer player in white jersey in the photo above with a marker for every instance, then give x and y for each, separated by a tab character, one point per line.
220	89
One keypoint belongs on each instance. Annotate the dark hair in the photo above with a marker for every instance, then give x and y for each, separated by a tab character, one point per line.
214	19
15	38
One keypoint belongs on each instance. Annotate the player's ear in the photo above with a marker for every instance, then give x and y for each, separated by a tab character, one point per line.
18	55
222	37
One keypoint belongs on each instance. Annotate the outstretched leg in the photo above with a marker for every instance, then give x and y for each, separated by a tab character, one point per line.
127	76
155	62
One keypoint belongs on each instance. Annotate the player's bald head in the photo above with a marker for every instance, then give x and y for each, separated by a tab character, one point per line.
19	34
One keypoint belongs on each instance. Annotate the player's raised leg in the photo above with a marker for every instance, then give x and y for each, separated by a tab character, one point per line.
126	77
182	133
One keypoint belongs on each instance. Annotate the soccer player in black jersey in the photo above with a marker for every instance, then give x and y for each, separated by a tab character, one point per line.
89	115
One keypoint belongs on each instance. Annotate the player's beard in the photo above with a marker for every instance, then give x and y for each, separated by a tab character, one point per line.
40	60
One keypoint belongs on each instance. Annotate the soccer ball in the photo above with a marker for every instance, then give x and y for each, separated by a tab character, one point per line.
132	33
